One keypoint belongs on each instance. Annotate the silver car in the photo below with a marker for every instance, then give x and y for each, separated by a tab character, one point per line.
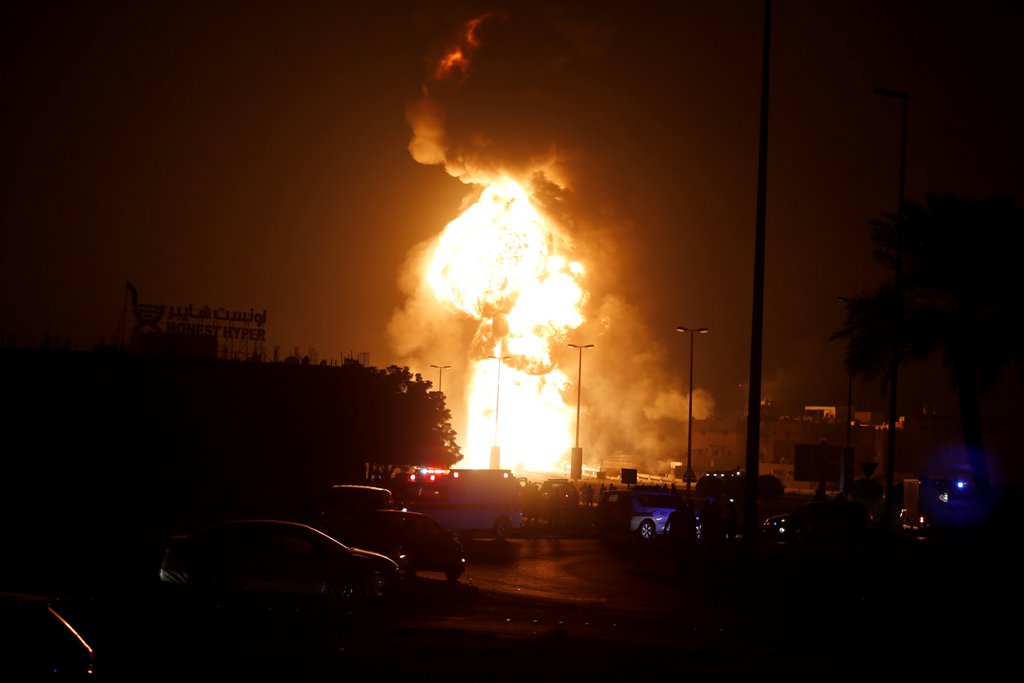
644	512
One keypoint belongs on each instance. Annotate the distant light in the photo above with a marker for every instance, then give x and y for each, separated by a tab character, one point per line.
961	484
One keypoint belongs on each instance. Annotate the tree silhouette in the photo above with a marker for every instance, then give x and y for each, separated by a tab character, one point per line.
420	432
167	443
960	293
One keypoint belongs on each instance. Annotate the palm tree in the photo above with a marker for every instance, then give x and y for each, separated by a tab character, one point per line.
960	293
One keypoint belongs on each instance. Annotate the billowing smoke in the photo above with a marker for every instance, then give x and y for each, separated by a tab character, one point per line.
493	107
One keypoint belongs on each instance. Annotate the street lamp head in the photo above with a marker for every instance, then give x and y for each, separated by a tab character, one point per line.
698	330
502	357
440	367
583	346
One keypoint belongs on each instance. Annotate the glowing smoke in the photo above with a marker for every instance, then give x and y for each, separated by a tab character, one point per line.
543	270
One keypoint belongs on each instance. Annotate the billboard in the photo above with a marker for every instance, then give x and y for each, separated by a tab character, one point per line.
196	331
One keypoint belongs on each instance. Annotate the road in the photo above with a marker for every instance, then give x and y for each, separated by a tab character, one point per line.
557	605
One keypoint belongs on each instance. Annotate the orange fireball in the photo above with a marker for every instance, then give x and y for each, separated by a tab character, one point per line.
496	263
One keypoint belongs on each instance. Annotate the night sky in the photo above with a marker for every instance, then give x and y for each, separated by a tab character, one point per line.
256	155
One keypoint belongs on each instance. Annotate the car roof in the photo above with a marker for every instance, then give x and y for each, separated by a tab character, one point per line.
261	522
264	524
15	598
365	487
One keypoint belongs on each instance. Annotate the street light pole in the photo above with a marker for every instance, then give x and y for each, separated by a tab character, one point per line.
495	449
890	460
753	455
689	476
576	461
847	451
439	369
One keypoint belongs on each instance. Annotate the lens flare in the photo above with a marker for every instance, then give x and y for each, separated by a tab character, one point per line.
496	263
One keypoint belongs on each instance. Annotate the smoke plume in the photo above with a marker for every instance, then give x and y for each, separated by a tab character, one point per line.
494	106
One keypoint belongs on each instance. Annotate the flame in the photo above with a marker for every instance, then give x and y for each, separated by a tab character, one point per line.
496	263
458	57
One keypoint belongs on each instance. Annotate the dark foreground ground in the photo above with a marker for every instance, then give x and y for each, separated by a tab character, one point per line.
903	609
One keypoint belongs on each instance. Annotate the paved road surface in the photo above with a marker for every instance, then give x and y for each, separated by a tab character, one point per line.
903	611
899	612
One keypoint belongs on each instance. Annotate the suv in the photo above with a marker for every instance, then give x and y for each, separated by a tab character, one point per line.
342	503
415	541
556	498
641	511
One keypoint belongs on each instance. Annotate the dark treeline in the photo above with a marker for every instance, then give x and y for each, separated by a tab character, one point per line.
106	440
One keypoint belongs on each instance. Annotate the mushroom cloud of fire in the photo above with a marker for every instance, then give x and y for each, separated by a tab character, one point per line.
512	281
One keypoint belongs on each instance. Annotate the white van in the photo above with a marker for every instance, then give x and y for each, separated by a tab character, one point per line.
472	502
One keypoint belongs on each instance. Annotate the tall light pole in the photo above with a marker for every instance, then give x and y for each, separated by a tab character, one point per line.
847	451
495	449
576	461
689	476
751	522
890	459
439	369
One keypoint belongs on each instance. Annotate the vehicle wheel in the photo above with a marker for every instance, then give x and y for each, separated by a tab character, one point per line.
502	528
646	530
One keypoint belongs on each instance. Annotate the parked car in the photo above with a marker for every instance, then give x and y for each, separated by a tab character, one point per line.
39	642
344	501
416	541
557	498
641	511
819	521
276	559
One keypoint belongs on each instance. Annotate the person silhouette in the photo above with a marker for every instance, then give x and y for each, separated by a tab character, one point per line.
711	526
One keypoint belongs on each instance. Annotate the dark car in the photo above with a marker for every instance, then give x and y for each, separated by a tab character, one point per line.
557	498
819	521
254	559
412	539
39	643
343	502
